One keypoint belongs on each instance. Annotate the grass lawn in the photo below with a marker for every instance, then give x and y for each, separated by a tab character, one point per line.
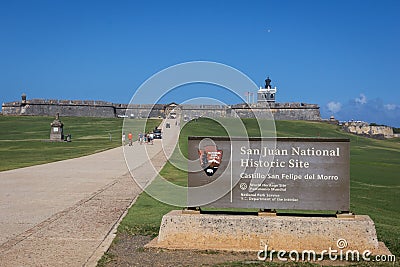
374	168
22	138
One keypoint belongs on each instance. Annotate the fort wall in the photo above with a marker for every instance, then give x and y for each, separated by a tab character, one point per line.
103	109
72	108
280	111
364	129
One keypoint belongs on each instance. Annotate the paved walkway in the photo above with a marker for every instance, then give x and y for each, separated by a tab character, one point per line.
65	213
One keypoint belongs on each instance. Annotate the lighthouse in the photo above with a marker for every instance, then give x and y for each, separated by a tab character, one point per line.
266	94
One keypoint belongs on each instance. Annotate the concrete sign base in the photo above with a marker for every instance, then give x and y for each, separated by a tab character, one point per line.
253	233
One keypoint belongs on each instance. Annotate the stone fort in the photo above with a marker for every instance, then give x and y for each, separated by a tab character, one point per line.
88	108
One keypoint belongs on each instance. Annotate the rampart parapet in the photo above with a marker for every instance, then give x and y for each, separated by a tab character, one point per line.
105	109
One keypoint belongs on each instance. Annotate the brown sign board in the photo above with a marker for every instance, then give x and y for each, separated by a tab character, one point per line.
269	173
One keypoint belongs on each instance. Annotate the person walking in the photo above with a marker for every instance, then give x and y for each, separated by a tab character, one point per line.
123	139
151	138
130	138
140	138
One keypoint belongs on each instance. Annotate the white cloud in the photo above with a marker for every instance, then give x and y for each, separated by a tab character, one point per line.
390	106
334	107
361	100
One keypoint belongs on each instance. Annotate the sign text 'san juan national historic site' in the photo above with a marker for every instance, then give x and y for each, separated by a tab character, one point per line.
270	173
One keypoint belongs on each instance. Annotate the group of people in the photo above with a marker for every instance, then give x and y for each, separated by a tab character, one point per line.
146	138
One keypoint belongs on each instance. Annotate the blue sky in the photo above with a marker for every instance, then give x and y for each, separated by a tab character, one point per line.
342	55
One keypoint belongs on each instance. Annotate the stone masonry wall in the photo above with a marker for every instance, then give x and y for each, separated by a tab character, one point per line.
364	129
86	108
210	111
141	111
280	111
75	110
